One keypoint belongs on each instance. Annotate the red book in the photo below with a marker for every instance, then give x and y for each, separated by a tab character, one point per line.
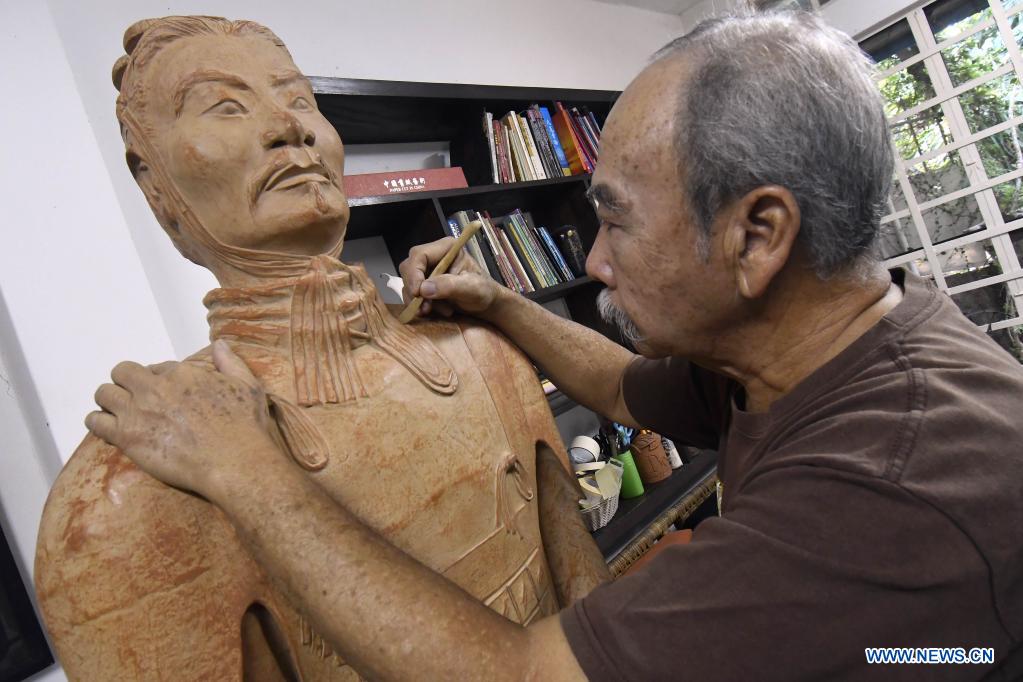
577	160
400	182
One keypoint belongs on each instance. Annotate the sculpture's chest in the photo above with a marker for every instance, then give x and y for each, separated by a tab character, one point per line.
440	476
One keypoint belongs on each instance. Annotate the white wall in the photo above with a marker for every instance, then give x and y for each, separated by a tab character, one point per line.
87	277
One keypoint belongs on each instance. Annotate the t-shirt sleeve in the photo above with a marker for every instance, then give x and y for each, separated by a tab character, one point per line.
677	399
781	589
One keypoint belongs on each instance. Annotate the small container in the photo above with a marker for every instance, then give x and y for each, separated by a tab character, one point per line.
650	459
669	449
632	484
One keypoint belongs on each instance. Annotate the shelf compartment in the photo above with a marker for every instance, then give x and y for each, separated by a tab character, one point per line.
635	516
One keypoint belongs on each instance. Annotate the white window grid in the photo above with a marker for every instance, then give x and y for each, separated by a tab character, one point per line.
964	142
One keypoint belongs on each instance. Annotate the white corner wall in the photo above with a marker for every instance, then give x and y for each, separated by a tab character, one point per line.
87	277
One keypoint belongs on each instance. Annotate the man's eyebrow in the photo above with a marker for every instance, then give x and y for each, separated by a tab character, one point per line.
602	196
286	77
204	76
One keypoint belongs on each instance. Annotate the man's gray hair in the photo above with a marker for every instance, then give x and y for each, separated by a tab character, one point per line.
782	98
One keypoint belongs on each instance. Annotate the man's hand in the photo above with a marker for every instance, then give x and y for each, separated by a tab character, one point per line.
183	424
465	288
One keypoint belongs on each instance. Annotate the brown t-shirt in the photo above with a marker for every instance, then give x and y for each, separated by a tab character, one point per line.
878	504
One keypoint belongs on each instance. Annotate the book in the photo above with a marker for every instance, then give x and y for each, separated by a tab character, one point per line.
543	260
559	152
589	134
520	270
535	255
580	135
548	241
566	131
534	158
500	257
593	120
456	223
521	162
399	182
501	149
550	165
522	253
488	130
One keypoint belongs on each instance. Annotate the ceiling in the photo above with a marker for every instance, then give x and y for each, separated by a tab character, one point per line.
665	6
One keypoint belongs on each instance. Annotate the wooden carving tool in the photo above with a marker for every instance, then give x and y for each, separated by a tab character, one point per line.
412	308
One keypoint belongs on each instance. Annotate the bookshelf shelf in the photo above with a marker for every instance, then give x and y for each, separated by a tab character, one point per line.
558	290
635	516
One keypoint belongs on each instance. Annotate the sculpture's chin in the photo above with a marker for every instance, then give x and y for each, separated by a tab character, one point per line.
307	220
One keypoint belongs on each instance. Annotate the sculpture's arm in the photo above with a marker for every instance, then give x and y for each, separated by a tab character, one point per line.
576	563
385	613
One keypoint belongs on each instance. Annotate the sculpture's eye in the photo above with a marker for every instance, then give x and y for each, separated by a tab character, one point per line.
227	107
302	104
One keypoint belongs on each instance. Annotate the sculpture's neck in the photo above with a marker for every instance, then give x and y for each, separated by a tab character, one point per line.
319	318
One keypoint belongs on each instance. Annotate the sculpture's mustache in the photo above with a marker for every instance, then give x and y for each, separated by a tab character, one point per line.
287	164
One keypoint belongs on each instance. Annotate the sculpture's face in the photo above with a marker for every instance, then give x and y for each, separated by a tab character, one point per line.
238	131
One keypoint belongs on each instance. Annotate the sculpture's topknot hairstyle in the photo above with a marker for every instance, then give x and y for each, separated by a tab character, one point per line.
145	38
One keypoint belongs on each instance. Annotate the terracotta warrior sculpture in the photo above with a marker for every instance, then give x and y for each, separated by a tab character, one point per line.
432	433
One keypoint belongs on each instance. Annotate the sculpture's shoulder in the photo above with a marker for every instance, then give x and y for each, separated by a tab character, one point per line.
120	553
108	528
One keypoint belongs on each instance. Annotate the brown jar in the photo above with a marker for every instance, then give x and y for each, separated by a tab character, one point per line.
650	458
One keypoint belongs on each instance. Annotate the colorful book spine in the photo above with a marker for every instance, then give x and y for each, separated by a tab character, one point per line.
525	250
536	253
518	152
555	252
500	257
488	130
513	255
584	141
501	148
573	148
529	230
550	164
559	152
534	158
590	135
457	223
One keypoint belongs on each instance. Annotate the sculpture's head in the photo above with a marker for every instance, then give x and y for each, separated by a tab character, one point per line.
224	137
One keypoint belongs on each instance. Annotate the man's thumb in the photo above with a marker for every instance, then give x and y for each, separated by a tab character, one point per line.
229	364
455	288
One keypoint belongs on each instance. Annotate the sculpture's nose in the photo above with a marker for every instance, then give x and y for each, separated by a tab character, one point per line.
286	129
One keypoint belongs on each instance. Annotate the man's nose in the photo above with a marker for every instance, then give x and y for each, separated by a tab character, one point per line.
286	129
597	265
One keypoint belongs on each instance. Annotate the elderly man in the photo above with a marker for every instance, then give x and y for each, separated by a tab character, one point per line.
868	433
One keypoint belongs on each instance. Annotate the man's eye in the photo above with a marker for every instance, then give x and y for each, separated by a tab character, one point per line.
227	107
302	104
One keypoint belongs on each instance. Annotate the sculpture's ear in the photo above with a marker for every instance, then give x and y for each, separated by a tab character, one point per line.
140	170
165	213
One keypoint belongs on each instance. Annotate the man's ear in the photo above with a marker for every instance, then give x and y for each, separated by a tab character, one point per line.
759	237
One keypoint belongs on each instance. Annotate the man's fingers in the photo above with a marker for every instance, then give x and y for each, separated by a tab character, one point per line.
163	367
103	425
112	398
229	364
421	260
458	288
130	375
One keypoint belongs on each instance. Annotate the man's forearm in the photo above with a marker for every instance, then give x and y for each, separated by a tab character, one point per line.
582	363
387	615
